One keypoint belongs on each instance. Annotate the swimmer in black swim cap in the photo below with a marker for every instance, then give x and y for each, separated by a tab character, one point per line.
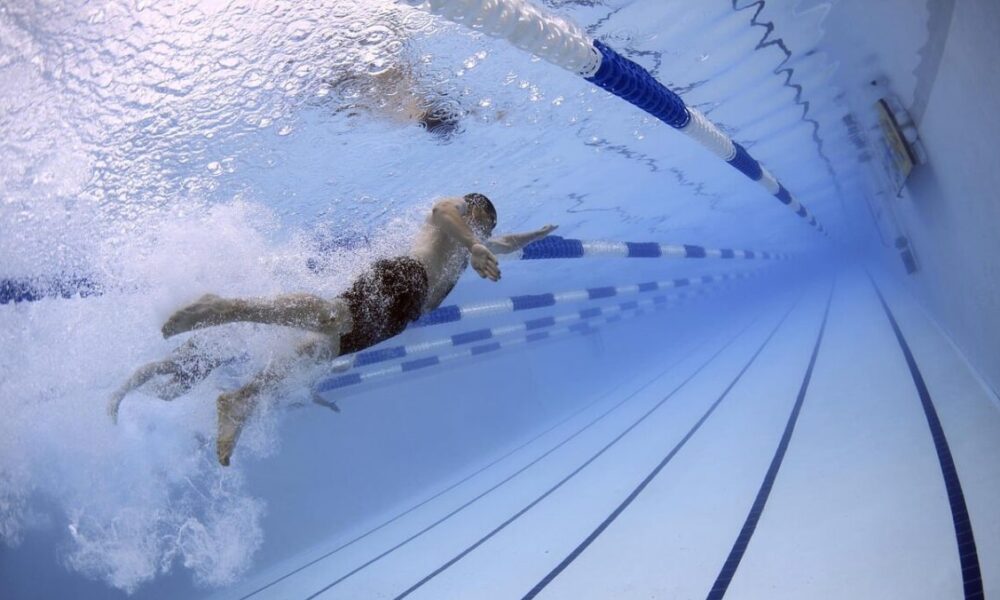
380	304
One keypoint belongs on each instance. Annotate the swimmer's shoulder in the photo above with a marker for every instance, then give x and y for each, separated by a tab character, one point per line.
456	202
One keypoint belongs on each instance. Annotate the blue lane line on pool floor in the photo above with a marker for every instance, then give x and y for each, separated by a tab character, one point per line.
586	463
482	469
757	509
423	502
545	581
968	555
513	475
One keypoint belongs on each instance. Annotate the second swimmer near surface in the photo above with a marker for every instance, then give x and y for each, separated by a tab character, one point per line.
378	305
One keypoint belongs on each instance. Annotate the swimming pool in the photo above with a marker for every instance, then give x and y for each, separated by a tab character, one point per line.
686	391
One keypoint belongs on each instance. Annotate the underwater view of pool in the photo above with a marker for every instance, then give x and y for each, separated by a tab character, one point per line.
460	299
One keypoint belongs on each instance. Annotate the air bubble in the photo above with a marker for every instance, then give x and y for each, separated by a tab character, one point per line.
253	79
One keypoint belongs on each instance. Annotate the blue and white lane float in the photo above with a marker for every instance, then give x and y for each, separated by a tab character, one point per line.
14	290
380	355
32	289
554	246
566	45
455	312
584	321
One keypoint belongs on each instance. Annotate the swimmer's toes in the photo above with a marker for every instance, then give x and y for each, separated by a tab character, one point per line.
114	403
224	449
233	409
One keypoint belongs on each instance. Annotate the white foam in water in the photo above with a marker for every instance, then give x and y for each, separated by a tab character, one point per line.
138	498
133	501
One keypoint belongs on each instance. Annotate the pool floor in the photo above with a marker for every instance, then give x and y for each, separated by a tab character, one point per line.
793	456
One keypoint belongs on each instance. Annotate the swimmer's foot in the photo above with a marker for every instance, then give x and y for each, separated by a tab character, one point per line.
234	408
207	310
113	405
317	399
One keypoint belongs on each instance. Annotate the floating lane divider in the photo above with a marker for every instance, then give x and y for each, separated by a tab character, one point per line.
32	289
454	312
382	355
566	45
370	357
555	246
584	322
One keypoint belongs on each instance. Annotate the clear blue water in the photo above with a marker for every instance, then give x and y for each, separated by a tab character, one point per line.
165	150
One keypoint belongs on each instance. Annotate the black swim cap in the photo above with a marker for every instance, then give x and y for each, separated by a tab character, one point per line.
440	122
475	199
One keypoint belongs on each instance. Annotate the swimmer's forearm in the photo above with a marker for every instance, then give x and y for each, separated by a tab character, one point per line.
513	242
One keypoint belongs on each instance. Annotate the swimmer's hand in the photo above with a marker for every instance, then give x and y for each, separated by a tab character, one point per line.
484	262
543	232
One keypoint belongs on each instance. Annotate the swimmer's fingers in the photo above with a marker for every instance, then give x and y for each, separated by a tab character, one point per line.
493	268
481	271
489	270
485	263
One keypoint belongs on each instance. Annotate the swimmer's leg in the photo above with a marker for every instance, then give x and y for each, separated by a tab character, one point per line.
305	311
187	366
140	377
234	408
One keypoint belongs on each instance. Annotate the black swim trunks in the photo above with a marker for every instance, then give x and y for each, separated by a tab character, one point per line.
383	301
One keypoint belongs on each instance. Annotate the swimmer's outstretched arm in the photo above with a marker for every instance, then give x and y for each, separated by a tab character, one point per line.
512	242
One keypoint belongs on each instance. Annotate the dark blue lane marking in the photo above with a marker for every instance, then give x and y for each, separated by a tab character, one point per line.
445	314
539	323
968	555
370	357
601	292
507	479
725	576
621	435
643	250
485	348
694	251
420	363
572	415
652	474
537	336
468	337
530	301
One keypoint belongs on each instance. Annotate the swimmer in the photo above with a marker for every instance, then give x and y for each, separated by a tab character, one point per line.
394	95
378	305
